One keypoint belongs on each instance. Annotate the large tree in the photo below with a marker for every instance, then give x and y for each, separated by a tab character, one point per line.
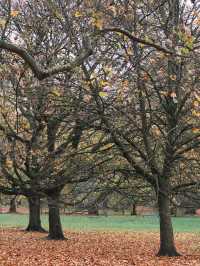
144	97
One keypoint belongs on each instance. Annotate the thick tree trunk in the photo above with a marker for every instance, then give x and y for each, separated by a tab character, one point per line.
13	208
167	246
55	227
34	215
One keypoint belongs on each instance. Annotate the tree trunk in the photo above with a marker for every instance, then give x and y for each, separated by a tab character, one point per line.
34	215
13	208
133	211
55	227
93	210
167	246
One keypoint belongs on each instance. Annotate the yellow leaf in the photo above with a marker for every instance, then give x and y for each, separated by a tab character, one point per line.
56	93
8	163
195	113
161	55
108	70
25	125
129	51
103	83
78	14
2	23
164	93
98	23
184	51
141	45
103	94
195	103
14	13
119	33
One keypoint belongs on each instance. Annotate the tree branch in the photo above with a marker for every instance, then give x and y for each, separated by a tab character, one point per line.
139	40
36	69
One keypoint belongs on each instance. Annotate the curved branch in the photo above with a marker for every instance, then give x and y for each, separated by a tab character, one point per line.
36	69
139	40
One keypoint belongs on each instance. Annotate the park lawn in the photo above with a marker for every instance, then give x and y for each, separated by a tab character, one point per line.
110	223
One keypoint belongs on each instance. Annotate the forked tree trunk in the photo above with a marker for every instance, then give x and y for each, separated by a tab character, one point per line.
13	208
34	215
55	227
167	245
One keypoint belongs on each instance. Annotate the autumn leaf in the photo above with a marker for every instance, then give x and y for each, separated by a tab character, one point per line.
111	249
195	130
125	83
145	77
2	23
97	20
107	69
197	97
14	13
195	113
103	83
172	77
78	14
8	163
103	94
113	9
98	23
141	45
173	94
197	21
156	131
25	125
87	98
56	93
129	51
184	51
195	103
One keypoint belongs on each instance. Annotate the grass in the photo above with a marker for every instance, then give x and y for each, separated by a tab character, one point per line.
111	223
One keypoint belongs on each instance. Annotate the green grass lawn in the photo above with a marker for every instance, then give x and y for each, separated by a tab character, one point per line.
111	223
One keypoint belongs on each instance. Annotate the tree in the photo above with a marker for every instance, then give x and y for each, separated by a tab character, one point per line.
147	112
13	208
139	85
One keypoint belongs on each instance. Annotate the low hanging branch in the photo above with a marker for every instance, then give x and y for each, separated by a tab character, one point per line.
37	70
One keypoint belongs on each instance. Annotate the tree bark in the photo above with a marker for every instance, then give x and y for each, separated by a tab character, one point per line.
93	210
13	208
167	246
34	215
133	211
55	227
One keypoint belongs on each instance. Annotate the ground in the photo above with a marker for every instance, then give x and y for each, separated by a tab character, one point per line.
19	248
97	241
